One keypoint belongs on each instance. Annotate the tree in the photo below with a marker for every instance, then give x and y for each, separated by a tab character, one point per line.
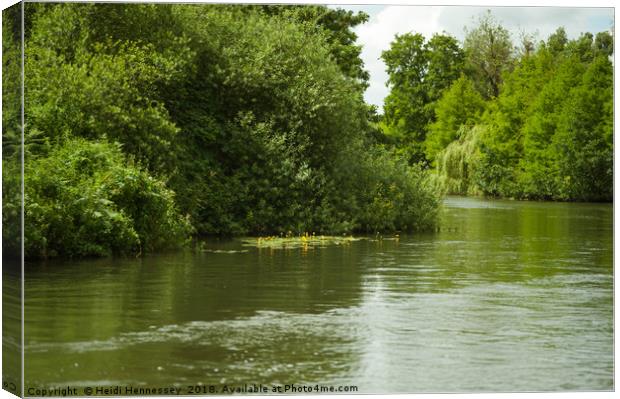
418	73
101	88
604	44
548	133
445	63
557	41
405	113
539	178
488	50
85	199
585	135
337	25
148	122
460	106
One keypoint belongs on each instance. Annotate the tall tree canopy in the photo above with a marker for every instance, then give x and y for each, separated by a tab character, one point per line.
489	53
337	25
419	71
460	106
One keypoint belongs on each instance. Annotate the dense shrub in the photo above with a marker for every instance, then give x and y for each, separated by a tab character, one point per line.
84	199
396	196
249	120
11	133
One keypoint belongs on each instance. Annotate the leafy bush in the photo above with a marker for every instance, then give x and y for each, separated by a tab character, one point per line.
83	199
252	116
11	132
396	196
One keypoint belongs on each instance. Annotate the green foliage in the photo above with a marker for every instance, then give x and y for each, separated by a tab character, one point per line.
101	89
503	146
488	50
418	73
539	164
336	25
545	130
460	106
11	207
11	80
396	196
271	123
84	199
248	119
557	41
459	166
548	133
11	131
585	136
445	64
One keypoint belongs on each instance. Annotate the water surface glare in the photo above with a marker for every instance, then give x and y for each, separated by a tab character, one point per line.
506	296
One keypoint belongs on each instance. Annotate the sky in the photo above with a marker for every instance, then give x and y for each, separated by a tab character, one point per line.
386	21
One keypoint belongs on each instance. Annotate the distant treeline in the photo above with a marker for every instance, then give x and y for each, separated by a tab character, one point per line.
527	121
148	124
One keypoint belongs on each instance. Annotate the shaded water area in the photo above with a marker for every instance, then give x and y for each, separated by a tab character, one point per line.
506	296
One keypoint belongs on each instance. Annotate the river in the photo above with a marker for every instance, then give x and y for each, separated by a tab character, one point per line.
506	296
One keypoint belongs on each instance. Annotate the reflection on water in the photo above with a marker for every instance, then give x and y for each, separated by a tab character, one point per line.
508	296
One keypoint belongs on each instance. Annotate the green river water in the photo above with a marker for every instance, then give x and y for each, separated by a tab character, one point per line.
506	296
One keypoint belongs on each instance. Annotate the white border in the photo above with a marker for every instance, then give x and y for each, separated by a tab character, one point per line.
565	3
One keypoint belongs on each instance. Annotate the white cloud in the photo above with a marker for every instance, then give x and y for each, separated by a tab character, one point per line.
376	35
